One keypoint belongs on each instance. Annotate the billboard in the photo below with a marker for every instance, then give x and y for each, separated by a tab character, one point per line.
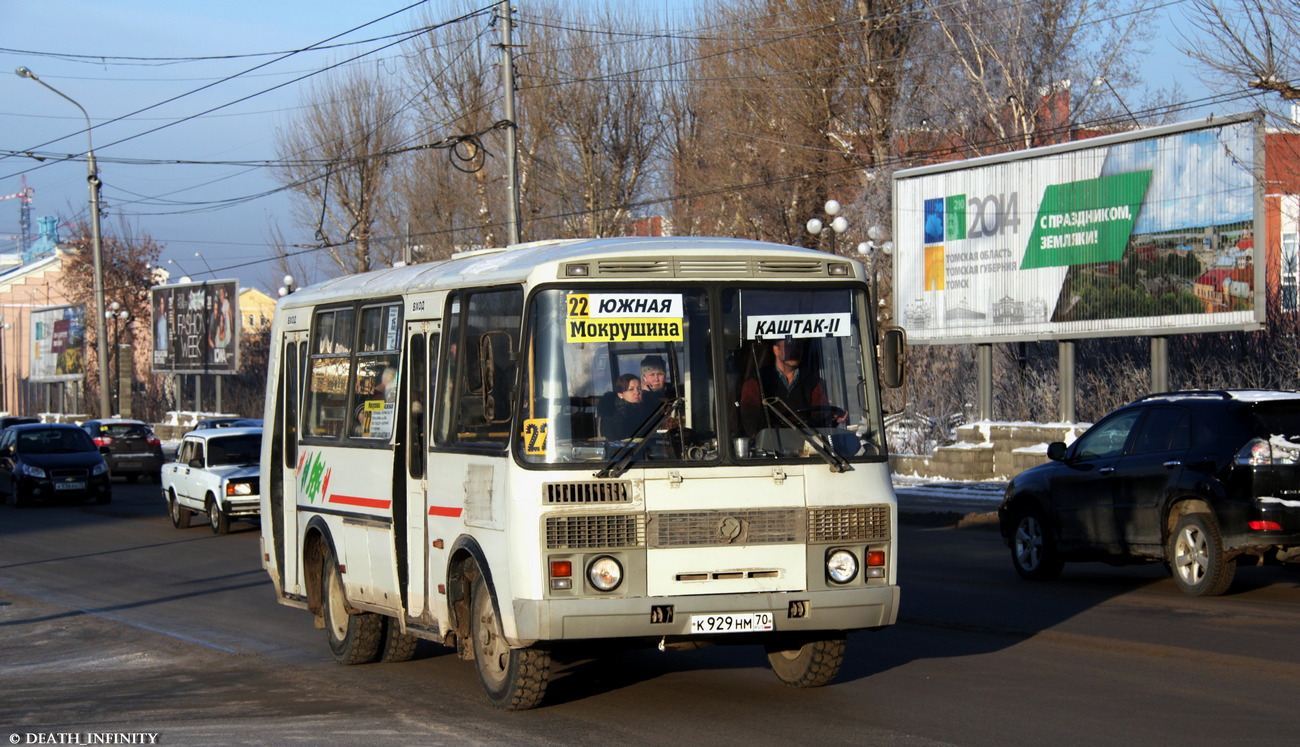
195	327
1149	232
58	344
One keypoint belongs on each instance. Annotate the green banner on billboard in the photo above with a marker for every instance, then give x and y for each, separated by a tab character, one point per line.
1085	222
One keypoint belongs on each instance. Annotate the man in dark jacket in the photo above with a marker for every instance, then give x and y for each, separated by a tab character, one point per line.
783	377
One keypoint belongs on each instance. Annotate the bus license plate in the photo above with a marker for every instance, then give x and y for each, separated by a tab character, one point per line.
69	486
740	622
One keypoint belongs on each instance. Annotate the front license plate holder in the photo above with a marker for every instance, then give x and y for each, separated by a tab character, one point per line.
733	622
70	485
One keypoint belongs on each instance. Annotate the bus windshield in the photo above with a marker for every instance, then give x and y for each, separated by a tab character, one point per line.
613	371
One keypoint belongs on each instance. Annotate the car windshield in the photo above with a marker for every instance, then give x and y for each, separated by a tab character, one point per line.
245	449
632	374
54	441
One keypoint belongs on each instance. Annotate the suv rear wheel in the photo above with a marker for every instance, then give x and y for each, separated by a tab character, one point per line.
1196	558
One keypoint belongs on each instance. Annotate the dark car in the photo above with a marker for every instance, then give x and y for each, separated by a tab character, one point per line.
1199	480
51	460
7	421
133	449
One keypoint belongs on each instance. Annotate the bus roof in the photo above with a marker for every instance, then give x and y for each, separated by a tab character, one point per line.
737	259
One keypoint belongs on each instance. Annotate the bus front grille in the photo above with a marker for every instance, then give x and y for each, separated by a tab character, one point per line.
586	532
563	493
726	528
791	267
848	524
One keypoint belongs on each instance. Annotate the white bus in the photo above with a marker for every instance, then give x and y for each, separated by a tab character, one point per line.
674	440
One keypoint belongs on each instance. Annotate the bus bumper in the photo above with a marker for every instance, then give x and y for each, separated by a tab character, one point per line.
577	619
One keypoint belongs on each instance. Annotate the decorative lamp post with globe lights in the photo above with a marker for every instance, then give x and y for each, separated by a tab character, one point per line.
834	225
118	316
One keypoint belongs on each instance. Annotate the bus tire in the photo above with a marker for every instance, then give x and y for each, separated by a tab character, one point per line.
354	638
514	679
800	662
398	646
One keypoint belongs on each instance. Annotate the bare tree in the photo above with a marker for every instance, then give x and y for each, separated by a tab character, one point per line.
127	276
1248	43
337	156
764	136
454	197
1002	75
593	85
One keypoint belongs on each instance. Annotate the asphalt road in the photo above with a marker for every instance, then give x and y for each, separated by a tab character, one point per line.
112	621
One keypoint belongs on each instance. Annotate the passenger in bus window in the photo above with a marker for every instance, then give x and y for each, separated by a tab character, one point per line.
654	381
625	410
782	375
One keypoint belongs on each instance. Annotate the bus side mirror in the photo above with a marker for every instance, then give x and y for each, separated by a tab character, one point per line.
893	356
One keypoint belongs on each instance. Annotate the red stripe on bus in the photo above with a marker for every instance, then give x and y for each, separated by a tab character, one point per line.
352	500
445	511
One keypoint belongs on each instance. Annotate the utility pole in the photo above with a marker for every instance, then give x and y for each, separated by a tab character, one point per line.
512	128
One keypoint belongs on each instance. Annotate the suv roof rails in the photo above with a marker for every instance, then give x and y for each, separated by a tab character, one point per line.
1220	393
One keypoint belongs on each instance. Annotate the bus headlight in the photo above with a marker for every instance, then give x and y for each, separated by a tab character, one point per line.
604	573
841	566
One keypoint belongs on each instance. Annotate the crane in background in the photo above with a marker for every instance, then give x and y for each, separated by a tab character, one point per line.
24	216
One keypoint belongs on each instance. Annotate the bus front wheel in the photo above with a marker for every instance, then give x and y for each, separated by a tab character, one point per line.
353	638
801	662
514	679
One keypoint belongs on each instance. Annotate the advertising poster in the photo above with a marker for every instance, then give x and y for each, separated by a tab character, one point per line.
195	327
58	344
1151	232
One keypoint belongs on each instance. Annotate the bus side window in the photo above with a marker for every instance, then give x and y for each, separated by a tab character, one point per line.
481	367
327	388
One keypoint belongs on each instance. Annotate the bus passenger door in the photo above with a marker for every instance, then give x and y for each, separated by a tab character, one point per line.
284	516
421	366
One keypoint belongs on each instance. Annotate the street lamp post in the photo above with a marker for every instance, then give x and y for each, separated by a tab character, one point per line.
97	248
185	276
837	224
205	264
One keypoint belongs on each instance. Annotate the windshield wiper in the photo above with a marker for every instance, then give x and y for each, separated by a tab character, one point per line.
623	458
816	440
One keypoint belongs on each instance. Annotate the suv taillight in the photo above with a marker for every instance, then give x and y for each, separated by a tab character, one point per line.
154	442
103	440
1262	453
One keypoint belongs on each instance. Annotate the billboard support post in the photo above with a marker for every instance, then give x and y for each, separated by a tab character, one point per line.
984	363
1159	364
1065	369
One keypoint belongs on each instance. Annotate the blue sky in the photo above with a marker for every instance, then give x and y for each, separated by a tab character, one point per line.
232	241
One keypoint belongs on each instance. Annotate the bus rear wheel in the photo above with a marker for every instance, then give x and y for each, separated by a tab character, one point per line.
800	662
514	679
353	638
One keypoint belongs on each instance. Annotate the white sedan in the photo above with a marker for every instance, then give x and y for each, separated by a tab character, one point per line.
215	472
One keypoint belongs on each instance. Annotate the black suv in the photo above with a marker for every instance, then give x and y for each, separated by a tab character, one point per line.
1200	480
